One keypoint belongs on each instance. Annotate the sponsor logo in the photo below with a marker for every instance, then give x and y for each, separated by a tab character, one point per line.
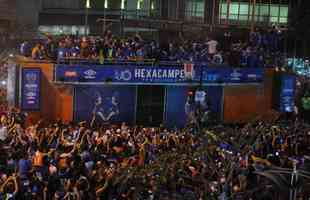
123	75
90	74
71	74
235	75
252	76
211	77
31	102
31	77
31	94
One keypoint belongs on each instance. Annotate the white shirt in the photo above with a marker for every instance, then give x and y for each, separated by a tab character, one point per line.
3	133
212	44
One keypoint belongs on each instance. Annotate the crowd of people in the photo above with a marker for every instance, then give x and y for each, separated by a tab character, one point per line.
3	84
261	48
76	161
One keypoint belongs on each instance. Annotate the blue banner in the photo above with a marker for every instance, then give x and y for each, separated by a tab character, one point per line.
105	104
30	88
233	75
287	94
181	106
161	75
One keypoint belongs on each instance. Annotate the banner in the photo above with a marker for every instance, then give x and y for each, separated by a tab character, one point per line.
105	104
176	98
287	94
181	106
161	75
30	89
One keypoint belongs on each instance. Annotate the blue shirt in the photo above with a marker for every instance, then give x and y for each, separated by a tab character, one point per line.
24	167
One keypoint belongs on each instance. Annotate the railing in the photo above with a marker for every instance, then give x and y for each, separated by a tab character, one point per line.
144	62
272	62
96	61
127	14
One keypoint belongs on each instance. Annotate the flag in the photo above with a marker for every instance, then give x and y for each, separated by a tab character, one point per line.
189	70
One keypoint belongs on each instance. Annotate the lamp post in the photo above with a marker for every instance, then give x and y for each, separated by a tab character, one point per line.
104	15
253	15
87	7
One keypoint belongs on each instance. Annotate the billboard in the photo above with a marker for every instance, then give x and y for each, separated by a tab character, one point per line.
30	89
181	106
105	104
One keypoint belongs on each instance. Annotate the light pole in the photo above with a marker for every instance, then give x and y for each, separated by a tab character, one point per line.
87	7
253	15
104	15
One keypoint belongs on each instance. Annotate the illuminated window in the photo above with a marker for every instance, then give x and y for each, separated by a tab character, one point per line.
87	4
234	11
195	9
105	3
242	12
123	4
99	4
140	4
63	29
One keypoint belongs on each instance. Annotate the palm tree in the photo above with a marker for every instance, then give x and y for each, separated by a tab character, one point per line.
286	180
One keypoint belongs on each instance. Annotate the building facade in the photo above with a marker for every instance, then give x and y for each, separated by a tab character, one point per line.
7	15
71	16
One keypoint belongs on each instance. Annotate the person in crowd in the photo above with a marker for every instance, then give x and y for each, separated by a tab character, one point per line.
37	53
264	45
50	48
212	47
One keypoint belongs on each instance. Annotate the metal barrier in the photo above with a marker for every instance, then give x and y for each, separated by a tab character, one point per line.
96	61
84	61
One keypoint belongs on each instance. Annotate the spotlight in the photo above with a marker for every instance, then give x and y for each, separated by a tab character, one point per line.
11	55
3	82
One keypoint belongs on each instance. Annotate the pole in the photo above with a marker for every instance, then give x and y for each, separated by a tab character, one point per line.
201	76
253	15
104	16
87	6
86	21
199	103
177	9
227	12
213	16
